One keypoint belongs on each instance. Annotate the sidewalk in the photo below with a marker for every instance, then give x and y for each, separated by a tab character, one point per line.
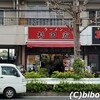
46	94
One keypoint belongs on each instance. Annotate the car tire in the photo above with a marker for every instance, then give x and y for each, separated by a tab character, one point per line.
9	93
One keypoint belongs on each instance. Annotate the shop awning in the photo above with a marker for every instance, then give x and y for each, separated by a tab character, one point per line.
51	44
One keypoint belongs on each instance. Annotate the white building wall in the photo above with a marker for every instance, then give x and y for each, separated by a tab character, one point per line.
6	5
17	35
93	6
85	18
86	36
12	35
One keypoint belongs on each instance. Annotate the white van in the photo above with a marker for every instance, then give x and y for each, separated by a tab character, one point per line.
11	80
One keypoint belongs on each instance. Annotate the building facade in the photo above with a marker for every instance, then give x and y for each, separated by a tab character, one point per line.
31	31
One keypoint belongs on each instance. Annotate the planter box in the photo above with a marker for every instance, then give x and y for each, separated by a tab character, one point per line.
69	80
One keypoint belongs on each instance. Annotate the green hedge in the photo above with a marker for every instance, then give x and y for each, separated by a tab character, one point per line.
69	74
62	87
66	87
38	87
57	74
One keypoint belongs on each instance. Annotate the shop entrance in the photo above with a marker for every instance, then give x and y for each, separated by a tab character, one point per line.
51	62
46	57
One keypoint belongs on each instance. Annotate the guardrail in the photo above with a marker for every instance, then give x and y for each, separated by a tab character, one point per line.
69	80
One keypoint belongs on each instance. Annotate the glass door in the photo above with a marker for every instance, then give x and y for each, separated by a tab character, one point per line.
94	62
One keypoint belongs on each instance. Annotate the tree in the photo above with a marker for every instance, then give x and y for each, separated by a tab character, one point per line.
74	8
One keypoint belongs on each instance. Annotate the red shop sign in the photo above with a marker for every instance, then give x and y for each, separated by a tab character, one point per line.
50	33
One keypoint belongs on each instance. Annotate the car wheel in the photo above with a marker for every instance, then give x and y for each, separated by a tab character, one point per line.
9	93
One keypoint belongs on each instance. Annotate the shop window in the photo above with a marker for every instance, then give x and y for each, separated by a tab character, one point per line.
32	62
7	55
3	55
12	54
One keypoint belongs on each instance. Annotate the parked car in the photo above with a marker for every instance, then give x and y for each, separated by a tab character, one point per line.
11	80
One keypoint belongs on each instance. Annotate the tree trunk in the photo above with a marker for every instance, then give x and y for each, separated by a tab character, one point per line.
76	22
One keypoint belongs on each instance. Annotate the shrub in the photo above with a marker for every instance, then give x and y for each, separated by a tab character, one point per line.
78	66
32	75
77	76
42	73
88	74
57	74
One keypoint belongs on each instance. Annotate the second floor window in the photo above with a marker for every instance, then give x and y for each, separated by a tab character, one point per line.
37	11
1	16
98	16
94	15
54	14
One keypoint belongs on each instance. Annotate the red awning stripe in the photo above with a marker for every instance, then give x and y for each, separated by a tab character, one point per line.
50	44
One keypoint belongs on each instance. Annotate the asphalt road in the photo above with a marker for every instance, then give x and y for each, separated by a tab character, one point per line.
47	98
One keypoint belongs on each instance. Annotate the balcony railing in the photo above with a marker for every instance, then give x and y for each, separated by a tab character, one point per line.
35	21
